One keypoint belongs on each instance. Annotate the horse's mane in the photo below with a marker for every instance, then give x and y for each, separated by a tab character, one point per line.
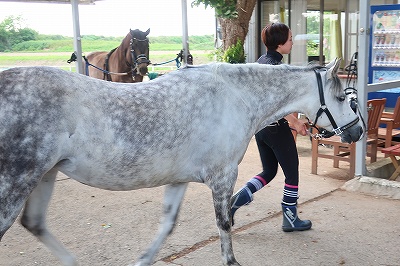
336	87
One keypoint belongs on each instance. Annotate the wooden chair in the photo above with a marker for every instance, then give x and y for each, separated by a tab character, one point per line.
392	152
392	122
347	152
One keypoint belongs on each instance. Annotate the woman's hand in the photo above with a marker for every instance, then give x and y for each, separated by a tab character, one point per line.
300	125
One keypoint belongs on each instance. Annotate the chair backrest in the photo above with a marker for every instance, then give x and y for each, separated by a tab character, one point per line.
375	109
396	113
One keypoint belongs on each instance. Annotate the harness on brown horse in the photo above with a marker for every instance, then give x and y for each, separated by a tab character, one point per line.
106	73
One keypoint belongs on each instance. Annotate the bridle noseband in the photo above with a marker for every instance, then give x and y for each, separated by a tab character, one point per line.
324	133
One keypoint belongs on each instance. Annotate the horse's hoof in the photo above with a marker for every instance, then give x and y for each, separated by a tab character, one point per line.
140	263
234	264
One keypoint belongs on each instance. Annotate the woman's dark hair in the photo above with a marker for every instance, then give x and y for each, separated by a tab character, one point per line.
274	34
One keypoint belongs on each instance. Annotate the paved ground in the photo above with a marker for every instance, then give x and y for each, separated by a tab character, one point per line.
113	228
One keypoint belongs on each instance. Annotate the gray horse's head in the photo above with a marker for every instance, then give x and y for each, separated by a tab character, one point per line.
335	115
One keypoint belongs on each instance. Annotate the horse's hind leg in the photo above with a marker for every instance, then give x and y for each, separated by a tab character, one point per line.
222	189
34	218
172	201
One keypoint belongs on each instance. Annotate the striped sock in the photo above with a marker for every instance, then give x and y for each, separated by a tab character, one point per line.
290	195
256	183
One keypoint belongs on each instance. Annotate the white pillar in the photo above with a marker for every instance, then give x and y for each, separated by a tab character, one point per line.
77	36
185	38
362	80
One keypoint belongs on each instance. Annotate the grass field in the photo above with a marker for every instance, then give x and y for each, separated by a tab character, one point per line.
49	52
59	59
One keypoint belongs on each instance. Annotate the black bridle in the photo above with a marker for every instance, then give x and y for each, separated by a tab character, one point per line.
322	132
137	59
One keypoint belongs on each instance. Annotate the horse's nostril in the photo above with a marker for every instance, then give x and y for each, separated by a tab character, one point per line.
357	136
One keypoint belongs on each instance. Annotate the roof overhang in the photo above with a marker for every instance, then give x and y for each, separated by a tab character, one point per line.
84	2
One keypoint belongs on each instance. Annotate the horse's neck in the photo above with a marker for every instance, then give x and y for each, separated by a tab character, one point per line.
273	94
118	58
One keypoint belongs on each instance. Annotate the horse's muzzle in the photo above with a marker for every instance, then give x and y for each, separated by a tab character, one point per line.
352	134
143	69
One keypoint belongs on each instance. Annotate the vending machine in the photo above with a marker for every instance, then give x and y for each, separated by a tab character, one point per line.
384	51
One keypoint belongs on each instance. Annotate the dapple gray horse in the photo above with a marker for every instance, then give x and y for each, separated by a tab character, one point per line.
191	125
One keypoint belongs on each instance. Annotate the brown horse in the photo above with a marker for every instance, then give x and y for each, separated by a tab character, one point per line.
127	63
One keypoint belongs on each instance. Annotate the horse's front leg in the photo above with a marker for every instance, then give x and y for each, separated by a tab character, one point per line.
222	189
172	201
34	218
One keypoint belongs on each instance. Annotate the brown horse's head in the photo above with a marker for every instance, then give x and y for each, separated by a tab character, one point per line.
139	52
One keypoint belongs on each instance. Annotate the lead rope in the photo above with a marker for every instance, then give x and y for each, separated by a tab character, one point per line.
321	133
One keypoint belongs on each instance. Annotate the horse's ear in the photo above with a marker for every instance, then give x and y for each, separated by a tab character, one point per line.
331	64
147	32
333	68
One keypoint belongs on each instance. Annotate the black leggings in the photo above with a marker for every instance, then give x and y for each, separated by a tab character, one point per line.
277	145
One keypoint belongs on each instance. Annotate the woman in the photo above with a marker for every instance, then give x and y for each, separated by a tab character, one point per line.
276	143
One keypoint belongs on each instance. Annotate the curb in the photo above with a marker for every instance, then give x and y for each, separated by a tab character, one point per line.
374	186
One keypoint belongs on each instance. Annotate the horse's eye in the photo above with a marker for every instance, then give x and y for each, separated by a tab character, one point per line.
341	98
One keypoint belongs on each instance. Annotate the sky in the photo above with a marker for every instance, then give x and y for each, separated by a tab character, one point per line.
113	17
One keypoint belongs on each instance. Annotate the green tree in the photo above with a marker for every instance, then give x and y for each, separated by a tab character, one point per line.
12	33
233	16
235	54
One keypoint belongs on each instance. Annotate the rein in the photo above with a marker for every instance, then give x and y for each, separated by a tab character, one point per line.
179	58
324	133
103	70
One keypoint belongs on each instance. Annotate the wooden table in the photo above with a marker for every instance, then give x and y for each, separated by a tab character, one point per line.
393	151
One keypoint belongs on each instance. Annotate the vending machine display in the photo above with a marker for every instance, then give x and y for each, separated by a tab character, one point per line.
386	38
384	62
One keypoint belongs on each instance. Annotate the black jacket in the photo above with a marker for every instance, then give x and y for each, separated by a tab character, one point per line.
271	58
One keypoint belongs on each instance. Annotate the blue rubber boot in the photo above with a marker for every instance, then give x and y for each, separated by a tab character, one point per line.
290	220
242	197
